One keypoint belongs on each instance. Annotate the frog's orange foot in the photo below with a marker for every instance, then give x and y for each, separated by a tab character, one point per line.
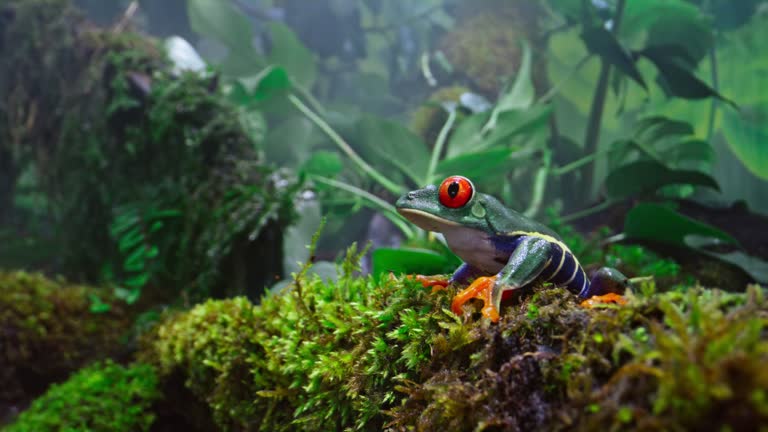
436	282
481	288
610	298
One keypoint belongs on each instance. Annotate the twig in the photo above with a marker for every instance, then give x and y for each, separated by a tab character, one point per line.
130	11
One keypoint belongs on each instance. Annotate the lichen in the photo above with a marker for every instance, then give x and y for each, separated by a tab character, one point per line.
47	330
366	354
103	397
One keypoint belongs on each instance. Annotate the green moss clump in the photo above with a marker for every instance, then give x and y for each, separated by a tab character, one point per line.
102	397
320	356
47	330
362	354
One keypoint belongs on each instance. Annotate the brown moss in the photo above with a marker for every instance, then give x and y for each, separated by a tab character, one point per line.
48	330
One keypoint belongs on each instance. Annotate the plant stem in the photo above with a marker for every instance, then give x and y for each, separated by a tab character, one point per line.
442	137
346	148
592	138
716	86
586	212
539	186
388	210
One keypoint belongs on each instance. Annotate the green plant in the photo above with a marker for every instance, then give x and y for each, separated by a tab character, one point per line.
101	397
49	328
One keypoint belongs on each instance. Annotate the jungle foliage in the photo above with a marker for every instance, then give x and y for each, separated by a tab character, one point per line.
125	172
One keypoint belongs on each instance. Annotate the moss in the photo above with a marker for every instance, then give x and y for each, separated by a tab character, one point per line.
364	354
47	330
102	397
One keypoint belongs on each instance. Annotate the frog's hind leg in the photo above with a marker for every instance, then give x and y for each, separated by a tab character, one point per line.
526	262
606	286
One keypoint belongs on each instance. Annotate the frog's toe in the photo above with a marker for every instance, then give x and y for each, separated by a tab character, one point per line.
436	282
481	288
610	298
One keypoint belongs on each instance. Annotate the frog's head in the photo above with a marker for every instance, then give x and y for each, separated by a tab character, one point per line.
454	203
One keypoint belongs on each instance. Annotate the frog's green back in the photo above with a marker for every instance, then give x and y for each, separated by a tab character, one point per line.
506	221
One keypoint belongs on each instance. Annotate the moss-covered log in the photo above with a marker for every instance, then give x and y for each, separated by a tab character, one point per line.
102	129
368	355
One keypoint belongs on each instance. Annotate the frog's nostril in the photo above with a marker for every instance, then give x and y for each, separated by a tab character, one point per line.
410	195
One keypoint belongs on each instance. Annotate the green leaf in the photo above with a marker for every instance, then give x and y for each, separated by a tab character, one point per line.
389	143
753	266
288	51
131	239
603	43
469	136
97	305
272	81
665	22
323	163
290	143
656	128
138	281
520	94
648	176
220	21
136	260
747	136
661	224
129	296
477	166
408	261
680	81
692	150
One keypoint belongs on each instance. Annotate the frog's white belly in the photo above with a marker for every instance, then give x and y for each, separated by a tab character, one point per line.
475	248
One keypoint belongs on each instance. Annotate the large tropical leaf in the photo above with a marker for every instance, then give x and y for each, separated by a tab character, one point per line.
747	135
649	176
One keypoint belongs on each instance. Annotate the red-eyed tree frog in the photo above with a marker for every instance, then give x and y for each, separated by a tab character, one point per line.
502	250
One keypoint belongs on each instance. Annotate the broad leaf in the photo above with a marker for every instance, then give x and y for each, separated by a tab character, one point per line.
520	94
747	135
469	136
477	166
323	163
290	142
389	143
410	261
288	51
648	176
679	81
753	266
603	43
659	223
220	21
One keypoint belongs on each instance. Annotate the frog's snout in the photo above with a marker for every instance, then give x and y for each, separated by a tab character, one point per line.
410	196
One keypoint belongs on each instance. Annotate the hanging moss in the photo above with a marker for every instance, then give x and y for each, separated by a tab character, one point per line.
103	397
365	355
47	330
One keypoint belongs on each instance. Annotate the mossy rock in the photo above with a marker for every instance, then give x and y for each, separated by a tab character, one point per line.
47	330
103	397
363	354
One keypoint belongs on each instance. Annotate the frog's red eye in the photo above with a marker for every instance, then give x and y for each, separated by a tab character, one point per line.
456	191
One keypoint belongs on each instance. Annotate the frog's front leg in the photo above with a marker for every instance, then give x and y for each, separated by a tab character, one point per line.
461	276
525	263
